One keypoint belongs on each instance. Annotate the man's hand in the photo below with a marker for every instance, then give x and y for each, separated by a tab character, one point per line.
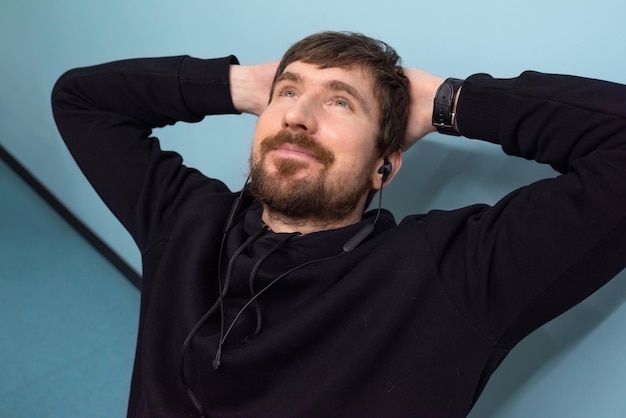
423	90
250	86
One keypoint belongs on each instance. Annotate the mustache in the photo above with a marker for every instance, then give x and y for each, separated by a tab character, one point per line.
303	141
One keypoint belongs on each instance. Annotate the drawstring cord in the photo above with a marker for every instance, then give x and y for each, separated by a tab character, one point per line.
259	315
255	297
218	355
219	303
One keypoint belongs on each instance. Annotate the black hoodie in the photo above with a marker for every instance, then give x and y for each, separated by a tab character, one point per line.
413	321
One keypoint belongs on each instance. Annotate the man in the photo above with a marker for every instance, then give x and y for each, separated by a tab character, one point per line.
286	299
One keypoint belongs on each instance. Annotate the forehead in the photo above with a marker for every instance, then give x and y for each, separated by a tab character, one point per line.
314	72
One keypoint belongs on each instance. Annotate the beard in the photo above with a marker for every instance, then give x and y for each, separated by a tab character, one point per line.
316	197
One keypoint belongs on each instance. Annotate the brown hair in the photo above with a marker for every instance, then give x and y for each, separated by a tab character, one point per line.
348	49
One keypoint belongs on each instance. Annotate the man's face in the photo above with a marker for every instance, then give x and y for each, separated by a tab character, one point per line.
313	154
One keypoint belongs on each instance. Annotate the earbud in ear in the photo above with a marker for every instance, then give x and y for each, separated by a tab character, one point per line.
386	169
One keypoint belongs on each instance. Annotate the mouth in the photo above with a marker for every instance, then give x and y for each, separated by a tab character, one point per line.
294	151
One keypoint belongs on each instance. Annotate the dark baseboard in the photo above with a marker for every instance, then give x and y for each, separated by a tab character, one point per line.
79	226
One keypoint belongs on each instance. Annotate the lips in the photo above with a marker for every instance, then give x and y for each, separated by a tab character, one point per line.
296	151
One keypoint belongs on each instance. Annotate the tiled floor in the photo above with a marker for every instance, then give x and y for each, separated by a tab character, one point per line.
68	319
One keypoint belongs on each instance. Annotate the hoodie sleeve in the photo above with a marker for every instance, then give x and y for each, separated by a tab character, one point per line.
547	246
106	113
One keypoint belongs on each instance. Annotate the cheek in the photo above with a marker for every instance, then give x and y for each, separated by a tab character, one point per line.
261	128
271	118
352	165
354	146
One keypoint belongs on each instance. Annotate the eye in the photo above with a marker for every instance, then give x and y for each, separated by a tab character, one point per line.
287	92
342	102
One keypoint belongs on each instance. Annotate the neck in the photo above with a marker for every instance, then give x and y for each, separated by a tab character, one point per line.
280	224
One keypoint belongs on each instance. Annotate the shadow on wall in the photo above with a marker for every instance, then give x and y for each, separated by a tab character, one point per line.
448	173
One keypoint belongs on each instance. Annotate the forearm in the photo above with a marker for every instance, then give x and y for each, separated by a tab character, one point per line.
106	113
150	92
546	246
552	119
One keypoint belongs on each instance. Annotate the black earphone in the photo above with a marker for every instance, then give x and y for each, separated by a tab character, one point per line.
386	169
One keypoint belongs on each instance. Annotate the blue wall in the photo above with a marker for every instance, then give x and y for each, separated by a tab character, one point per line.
574	366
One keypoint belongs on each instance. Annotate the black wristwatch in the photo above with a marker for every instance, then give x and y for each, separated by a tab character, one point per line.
443	110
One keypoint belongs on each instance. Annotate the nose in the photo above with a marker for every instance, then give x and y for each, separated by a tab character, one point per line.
300	116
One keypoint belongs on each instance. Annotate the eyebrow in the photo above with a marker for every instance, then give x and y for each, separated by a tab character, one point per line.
347	88
335	85
286	75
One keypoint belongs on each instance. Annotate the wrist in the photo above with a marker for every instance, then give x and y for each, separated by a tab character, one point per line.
444	107
242	90
250	86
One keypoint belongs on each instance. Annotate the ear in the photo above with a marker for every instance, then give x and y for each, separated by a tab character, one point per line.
395	159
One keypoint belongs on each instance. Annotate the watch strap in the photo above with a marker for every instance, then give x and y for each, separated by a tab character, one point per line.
444	106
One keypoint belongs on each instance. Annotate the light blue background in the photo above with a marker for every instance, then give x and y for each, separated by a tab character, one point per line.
574	366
